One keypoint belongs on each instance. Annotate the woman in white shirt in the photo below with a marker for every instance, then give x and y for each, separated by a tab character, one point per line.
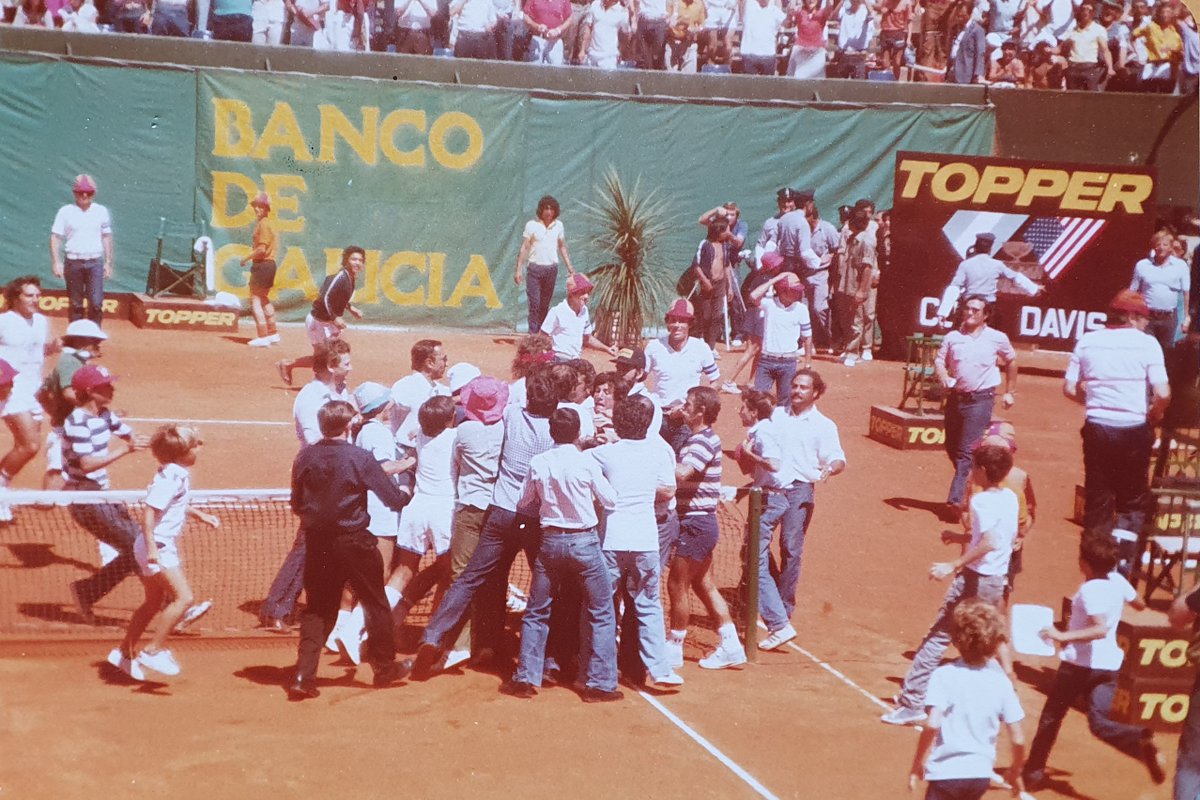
543	240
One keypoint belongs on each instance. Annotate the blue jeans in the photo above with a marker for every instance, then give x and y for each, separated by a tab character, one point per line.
652	40
758	65
281	598
1187	767
775	373
564	558
85	284
967	418
791	509
170	20
505	533
967	583
1098	687
109	523
637	577
668	535
539	288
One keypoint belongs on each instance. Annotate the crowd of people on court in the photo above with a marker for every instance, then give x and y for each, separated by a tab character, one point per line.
1048	44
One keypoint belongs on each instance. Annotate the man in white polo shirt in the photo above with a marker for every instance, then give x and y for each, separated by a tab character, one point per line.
428	362
1113	371
677	362
968	365
602	25
84	230
568	324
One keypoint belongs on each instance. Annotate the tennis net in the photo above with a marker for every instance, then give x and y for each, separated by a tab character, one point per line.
48	547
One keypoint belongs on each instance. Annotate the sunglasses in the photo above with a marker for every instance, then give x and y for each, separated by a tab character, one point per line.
84	194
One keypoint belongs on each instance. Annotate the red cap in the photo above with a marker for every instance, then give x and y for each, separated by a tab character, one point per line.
771	261
578	283
83	183
90	376
7	373
682	310
1130	302
790	282
261	200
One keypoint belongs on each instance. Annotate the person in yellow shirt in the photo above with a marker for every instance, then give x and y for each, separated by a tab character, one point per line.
262	273
1164	49
686	24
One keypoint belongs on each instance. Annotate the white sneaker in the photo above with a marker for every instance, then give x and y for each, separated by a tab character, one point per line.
729	387
904	716
867	356
161	662
737	343
262	341
126	665
193	613
675	654
716	354
273	338
331	642
456	657
778	639
669	681
6	514
849	361
350	646
724	657
516	601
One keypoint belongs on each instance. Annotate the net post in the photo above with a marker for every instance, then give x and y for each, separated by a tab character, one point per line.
750	569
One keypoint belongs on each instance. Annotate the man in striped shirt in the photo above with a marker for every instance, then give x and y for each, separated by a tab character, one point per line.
325	321
87	433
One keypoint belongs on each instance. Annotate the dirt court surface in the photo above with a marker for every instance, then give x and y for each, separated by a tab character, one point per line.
802	722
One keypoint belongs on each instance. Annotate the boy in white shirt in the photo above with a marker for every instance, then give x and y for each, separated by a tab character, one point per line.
568	324
981	571
1091	661
968	700
787	326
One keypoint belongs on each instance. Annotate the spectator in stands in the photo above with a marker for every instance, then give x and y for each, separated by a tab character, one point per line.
761	21
33	14
933	38
308	17
716	43
232	20
1189	66
509	18
80	17
347	28
1007	71
807	59
1120	47
895	16
855	29
602	25
1046	67
547	20
1057	15
685	26
267	17
650	21
125	16
1089	62
1002	20
84	231
1164	50
1165	281
413	21
969	53
170	18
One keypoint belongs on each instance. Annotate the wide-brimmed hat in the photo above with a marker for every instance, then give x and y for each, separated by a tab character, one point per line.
371	396
460	374
484	399
86	329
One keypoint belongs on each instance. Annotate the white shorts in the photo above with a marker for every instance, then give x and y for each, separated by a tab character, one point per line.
168	556
23	399
425	523
319	331
54	453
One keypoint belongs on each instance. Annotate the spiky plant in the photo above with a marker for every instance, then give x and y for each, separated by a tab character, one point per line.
633	285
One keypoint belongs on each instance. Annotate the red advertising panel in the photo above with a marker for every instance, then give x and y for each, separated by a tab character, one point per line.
1076	230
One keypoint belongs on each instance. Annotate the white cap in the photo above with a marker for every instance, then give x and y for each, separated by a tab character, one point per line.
87	329
461	374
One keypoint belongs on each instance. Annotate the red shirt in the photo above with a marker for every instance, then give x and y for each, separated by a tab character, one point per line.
810	27
550	13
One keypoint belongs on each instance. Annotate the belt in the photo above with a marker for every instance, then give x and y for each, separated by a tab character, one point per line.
793	354
84	257
978	393
566	531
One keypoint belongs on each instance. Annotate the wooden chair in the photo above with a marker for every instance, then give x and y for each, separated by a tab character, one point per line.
922	390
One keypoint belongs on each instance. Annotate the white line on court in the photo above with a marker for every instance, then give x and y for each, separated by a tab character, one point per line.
834	671
729	763
158	420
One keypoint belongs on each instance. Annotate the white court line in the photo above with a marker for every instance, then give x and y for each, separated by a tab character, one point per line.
158	420
729	763
835	672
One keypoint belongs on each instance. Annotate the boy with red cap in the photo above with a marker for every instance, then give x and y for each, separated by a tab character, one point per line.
84	230
785	325
262	273
568	324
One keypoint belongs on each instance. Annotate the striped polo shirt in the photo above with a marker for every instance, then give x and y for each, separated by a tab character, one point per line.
703	454
88	435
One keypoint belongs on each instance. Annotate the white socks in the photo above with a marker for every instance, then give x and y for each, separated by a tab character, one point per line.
729	635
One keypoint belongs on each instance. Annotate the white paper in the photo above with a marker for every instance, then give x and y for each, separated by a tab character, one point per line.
1027	621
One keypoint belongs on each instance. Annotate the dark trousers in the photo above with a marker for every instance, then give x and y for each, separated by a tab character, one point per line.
504	535
1085	77
652	43
85	288
289	580
1116	467
232	27
333	561
1097	686
758	65
967	418
170	20
111	524
413	41
540	280
957	789
1163	327
503	34
710	314
475	44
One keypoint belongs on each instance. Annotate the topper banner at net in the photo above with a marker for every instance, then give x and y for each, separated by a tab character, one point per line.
1075	230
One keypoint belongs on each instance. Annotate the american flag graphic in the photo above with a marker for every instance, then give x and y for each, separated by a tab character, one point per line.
1058	241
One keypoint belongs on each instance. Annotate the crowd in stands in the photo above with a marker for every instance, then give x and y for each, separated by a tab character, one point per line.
1048	44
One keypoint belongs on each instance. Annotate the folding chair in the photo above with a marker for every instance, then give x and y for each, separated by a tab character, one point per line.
177	277
921	385
1167	544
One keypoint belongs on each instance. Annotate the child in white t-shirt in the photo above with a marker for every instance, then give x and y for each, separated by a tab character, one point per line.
968	701
1091	661
176	448
981	571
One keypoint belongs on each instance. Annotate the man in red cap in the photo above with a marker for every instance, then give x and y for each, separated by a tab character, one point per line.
677	362
787	327
84	230
568	323
262	273
1119	375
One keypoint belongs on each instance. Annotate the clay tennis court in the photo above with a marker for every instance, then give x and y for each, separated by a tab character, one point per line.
802	722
